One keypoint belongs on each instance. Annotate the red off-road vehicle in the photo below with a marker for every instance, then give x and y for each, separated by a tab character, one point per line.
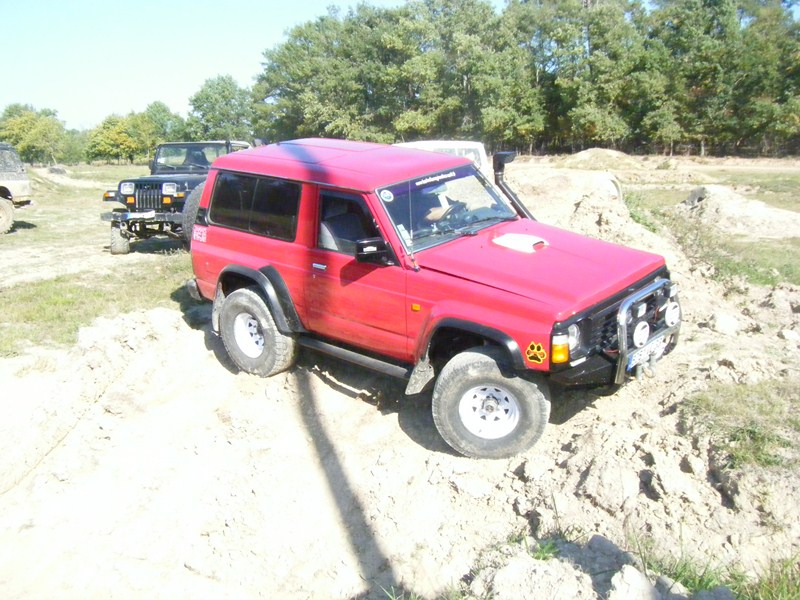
412	263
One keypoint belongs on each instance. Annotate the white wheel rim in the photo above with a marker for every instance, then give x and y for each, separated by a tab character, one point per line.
248	335
489	412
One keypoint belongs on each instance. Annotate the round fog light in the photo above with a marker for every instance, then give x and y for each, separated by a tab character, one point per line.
672	314
641	333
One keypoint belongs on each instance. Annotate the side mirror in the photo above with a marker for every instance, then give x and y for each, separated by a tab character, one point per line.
372	250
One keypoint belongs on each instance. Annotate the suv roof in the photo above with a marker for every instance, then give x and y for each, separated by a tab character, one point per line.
361	166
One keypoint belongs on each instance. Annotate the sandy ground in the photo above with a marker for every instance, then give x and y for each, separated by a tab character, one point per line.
140	464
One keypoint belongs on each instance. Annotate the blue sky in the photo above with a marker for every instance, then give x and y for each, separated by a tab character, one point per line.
90	59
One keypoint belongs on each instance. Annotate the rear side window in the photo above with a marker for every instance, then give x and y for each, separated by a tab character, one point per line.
259	205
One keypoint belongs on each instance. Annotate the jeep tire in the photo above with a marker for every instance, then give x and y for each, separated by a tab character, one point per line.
250	336
120	244
6	215
483	409
190	209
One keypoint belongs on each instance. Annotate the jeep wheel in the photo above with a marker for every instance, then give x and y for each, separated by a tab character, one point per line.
190	208
250	336
6	216
119	243
483	410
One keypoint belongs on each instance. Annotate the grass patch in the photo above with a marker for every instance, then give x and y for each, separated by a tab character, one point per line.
778	189
753	424
642	211
107	173
760	262
781	580
52	311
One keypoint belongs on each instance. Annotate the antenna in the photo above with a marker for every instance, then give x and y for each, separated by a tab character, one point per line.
414	264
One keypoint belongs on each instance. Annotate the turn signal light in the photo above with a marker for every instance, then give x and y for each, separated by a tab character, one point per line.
560	352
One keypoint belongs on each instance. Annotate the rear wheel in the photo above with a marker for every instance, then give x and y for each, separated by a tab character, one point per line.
120	244
251	337
483	409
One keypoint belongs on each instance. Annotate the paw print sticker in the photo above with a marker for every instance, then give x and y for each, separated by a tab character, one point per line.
536	353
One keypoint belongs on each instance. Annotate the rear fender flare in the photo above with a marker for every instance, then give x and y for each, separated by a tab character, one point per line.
272	288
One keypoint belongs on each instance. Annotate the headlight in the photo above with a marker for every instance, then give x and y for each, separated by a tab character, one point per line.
574	336
169	189
641	333
672	314
127	188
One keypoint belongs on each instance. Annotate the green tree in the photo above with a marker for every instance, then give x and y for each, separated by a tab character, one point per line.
111	140
169	127
38	136
220	110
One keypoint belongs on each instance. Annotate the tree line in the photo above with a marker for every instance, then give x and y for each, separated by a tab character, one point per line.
719	76
690	76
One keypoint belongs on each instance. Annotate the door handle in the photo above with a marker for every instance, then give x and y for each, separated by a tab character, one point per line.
319	266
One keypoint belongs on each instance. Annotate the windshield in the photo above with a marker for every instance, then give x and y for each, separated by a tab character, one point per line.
10	162
189	157
439	207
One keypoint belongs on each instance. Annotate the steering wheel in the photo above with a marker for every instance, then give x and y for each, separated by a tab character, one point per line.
450	213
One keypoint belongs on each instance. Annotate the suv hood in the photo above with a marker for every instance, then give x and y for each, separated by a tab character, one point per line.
563	270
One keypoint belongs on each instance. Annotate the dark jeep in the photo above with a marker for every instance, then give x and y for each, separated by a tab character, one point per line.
154	204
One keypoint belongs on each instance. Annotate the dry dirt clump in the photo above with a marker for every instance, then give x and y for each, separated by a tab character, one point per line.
723	209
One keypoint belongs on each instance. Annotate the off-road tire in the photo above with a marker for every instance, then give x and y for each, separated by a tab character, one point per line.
119	243
190	208
6	215
483	409
250	336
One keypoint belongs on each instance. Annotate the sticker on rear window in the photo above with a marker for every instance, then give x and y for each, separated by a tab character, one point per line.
387	195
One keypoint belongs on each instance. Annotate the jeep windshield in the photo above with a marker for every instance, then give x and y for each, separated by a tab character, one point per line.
439	207
186	158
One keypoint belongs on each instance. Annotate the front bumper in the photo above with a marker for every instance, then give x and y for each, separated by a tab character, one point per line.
614	365
148	216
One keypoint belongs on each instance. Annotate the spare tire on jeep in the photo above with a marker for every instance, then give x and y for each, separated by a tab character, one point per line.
190	208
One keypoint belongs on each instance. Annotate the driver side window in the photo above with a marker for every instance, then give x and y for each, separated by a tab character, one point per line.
344	219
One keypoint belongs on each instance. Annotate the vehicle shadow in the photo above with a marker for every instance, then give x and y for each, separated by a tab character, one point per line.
565	403
386	394
20	226
155	245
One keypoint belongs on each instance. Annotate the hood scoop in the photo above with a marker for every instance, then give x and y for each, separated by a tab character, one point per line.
521	242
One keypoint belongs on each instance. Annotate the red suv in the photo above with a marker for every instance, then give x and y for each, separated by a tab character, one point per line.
412	263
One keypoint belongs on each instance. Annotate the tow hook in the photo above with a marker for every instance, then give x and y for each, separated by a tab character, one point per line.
648	368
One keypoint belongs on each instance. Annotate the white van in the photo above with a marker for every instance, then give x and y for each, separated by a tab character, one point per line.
473	150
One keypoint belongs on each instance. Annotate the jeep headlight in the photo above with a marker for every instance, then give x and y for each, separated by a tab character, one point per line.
169	189
126	188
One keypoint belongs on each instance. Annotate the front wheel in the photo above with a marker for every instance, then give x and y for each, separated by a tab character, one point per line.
483	410
120	244
251	337
6	216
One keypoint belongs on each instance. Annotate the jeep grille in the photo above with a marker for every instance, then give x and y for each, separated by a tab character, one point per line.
148	196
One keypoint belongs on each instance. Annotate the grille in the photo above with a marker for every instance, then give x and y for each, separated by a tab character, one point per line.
148	196
603	332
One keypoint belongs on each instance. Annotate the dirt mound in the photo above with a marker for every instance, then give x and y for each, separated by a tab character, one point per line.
600	159
729	212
